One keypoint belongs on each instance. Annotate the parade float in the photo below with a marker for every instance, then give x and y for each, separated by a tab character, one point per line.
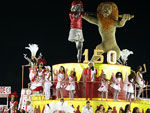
107	22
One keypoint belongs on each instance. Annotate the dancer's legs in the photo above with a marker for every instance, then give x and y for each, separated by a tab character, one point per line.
79	46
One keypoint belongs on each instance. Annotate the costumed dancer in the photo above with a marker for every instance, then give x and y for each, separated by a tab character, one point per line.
13	101
89	74
136	110
33	61
116	84
88	108
102	109
129	86
103	86
110	110
71	86
121	110
15	107
38	83
47	83
139	79
127	108
60	79
75	34
29	108
97	110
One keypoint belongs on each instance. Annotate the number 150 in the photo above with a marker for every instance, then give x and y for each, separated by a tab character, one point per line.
111	56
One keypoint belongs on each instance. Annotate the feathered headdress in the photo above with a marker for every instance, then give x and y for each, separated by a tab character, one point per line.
33	49
13	94
48	67
42	61
125	53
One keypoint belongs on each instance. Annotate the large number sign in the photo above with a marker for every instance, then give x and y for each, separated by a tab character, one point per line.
111	56
4	90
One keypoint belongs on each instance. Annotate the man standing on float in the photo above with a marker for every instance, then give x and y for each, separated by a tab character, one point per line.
89	76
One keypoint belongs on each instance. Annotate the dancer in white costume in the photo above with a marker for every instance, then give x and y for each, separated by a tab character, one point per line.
29	108
37	85
129	86
33	61
60	81
103	86
71	85
88	108
116	84
47	82
139	79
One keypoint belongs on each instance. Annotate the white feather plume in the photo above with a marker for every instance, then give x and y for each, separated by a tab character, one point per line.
51	108
67	108
33	49
125	53
55	107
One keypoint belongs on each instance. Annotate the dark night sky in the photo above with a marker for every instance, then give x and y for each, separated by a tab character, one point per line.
47	24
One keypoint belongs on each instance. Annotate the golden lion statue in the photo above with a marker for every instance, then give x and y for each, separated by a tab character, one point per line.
107	22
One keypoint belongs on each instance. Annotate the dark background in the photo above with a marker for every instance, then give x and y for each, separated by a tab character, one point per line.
47	24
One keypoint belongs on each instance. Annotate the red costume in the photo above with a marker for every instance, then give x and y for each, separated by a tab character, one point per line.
75	15
32	74
13	102
90	78
76	22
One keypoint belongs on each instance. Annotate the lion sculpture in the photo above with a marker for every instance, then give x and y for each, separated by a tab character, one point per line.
107	22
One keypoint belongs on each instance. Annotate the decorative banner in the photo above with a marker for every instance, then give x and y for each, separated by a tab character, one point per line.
79	103
5	90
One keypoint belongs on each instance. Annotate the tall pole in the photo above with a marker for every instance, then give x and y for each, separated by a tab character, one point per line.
22	75
146	90
135	93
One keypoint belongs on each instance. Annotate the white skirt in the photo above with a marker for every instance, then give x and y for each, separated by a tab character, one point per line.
70	87
76	35
59	85
141	83
128	88
102	88
116	87
35	85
